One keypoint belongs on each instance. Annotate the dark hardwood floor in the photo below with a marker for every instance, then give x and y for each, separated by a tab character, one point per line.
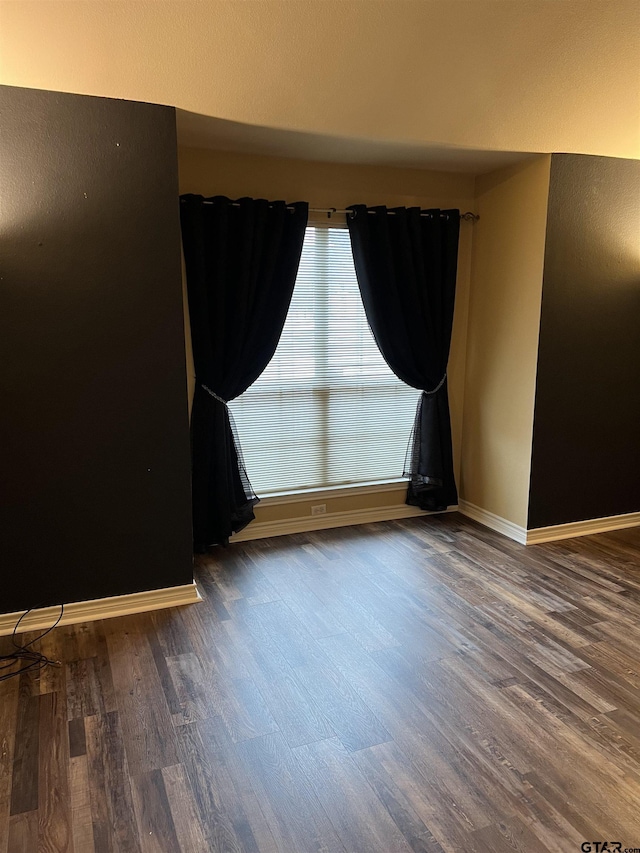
423	685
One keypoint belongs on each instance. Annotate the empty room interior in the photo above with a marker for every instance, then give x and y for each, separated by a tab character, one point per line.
320	431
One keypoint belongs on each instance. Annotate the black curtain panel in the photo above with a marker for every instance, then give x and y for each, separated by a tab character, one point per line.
406	262
241	260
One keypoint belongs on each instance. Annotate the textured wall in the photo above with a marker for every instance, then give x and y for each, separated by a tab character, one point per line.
586	440
94	430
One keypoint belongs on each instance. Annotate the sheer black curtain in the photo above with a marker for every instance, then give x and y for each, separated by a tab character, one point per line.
406	262
241	261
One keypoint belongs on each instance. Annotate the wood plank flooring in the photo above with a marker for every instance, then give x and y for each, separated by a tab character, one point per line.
424	685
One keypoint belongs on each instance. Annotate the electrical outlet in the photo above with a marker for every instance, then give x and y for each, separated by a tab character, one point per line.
318	509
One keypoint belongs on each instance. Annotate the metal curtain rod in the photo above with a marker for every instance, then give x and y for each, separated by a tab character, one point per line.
330	211
468	216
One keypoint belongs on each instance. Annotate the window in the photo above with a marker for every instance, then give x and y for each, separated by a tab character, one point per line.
327	411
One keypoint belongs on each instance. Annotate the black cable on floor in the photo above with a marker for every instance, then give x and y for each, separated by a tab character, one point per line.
35	660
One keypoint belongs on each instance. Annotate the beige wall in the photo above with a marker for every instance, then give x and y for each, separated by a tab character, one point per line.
502	341
513	75
337	185
387	497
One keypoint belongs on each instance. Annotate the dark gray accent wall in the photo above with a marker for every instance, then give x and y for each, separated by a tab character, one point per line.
586	437
94	441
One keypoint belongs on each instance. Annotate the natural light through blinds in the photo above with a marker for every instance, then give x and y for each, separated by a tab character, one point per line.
327	411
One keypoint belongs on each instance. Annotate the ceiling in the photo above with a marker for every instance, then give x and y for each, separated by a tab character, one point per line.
451	84
200	131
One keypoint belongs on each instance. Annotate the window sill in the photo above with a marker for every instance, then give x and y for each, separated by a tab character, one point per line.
303	495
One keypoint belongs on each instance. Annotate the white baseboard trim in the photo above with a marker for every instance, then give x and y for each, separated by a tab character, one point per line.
102	608
582	528
264	529
548	534
494	522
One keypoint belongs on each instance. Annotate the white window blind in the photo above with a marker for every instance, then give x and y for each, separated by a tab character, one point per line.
327	411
